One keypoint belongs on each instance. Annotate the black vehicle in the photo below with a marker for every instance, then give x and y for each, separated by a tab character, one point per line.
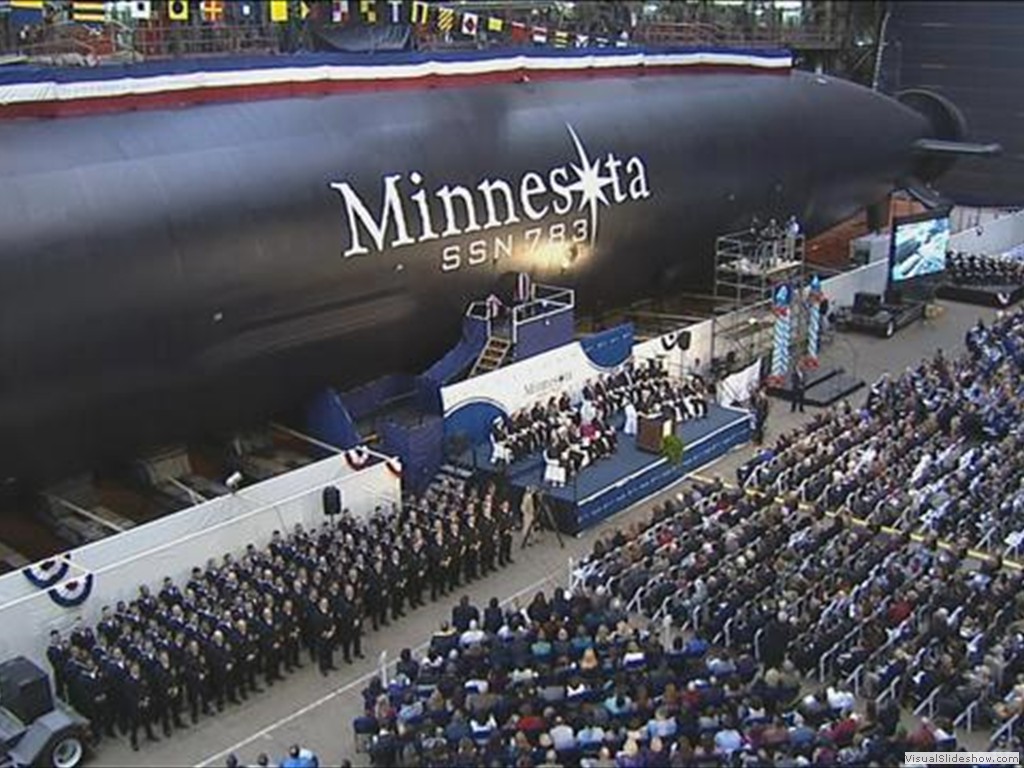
34	729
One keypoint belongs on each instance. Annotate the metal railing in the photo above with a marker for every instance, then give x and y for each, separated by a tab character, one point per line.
928	705
1004	733
966	718
731	36
545	301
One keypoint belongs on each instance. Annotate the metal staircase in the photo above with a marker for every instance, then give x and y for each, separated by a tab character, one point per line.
492	356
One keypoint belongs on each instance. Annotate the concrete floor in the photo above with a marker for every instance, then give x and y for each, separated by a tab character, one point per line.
317	712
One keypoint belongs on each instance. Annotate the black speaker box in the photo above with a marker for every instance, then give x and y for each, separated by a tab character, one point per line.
332	501
25	689
866	303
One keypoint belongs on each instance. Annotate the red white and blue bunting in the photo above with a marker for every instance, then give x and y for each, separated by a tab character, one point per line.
395	465
72	593
48	92
357	458
47	573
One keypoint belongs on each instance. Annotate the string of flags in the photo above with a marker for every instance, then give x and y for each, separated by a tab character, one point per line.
420	13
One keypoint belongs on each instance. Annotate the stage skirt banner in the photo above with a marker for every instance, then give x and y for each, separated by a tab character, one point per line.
471	406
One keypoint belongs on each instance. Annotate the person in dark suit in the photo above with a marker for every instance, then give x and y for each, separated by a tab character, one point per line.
58	654
221	661
797	381
139	702
291	632
323	634
463	614
167	694
197	681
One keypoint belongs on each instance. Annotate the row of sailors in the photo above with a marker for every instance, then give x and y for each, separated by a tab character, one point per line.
151	659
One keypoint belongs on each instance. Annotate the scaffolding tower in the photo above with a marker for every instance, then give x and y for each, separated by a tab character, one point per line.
749	266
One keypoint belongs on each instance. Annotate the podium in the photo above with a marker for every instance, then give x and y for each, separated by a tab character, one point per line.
652	429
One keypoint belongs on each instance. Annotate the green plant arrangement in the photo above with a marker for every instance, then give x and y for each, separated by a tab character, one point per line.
672	449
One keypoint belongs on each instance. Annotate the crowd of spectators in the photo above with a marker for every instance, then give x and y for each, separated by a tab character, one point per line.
828	561
241	623
577	428
568	681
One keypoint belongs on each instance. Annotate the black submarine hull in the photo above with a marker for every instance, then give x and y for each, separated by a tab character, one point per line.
168	273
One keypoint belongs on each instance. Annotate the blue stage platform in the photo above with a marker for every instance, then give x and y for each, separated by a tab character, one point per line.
617	482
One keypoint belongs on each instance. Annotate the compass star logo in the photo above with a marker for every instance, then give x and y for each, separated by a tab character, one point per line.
559	205
589	182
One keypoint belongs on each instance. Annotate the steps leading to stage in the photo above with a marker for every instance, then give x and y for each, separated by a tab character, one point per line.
811	379
822	387
832	390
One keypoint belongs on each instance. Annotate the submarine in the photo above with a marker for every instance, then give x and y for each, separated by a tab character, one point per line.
169	271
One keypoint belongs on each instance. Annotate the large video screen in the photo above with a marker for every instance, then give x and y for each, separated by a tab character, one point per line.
919	247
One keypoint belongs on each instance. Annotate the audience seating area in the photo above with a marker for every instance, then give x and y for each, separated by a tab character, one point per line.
862	565
866	550
569	681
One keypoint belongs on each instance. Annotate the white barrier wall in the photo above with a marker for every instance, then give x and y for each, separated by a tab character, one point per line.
676	360
871	278
992	236
172	545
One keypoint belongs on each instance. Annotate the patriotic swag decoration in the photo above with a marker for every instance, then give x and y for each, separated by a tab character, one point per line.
47	573
395	465
783	332
72	593
144	85
814	299
357	457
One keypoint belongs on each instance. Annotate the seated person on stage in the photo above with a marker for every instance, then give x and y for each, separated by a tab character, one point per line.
604	440
588	411
501	452
631	418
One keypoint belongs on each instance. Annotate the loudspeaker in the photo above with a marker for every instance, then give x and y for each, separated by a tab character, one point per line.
683	340
25	689
331	501
866	303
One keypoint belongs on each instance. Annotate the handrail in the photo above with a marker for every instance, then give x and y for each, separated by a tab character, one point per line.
551	299
889	692
1004	731
928	705
853	679
966	718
